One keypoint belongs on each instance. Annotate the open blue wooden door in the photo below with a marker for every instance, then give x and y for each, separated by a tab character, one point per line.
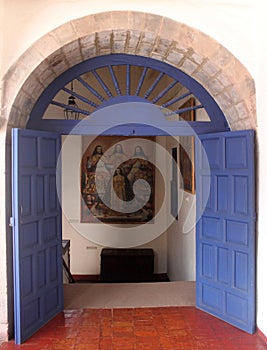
226	229
38	289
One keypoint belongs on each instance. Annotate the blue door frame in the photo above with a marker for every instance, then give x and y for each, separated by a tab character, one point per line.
216	262
225	256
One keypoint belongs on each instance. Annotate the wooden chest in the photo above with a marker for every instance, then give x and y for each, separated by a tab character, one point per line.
127	265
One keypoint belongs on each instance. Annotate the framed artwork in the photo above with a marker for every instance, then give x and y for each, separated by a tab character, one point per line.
111	170
174	185
187	151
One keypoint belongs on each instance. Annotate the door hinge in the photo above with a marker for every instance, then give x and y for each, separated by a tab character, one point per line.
11	222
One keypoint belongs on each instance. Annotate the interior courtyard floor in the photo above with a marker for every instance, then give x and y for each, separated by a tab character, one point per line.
181	328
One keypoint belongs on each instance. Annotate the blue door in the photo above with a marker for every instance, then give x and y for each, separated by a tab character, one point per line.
38	289
226	229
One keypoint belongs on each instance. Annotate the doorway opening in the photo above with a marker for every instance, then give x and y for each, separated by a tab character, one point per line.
118	80
88	238
131	115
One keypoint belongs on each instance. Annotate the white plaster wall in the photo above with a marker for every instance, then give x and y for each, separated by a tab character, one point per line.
181	246
239	25
84	253
261	88
181	242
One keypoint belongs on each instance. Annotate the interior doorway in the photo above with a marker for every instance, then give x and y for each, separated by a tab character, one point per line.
86	253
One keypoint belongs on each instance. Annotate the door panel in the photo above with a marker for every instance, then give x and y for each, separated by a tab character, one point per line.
226	229
36	231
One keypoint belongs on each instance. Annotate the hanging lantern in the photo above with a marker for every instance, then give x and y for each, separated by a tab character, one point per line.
71	112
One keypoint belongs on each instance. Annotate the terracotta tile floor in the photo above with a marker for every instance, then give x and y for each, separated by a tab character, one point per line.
181	328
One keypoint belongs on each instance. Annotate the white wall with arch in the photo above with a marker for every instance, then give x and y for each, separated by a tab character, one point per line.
217	19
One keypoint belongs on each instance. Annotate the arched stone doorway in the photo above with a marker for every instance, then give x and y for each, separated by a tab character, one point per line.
194	53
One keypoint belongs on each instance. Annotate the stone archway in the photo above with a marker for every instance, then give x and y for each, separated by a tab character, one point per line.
193	52
177	44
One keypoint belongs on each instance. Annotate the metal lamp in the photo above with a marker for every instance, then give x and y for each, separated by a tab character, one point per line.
71	112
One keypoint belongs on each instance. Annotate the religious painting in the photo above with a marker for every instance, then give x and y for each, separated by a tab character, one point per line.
186	151
117	179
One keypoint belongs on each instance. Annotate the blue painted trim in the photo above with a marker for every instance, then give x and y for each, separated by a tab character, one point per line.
171	102
168	88
182	110
63	105
128	79
175	129
84	99
154	84
114	79
141	80
192	85
89	88
15	229
101	82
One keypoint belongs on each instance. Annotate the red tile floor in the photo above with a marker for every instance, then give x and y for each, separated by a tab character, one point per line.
181	328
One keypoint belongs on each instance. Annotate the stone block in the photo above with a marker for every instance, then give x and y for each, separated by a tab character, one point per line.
156	56
44	74
234	93
119	19
47	45
104	51
84	26
103	21
175	57
242	110
65	33
210	68
223	79
162	46
149	38
88	41
198	59
205	45
30	60
74	59
152	23
221	56
136	20
215	86
103	39
133	40
224	100
58	62
14	117
120	35
89	52
71	48
231	114
32	88
188	66
145	50
25	103
118	47
170	29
